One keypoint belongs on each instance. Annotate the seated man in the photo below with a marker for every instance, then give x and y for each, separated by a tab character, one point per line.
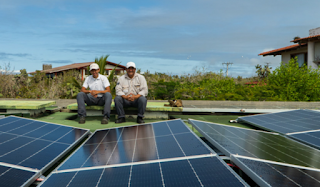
131	91
99	94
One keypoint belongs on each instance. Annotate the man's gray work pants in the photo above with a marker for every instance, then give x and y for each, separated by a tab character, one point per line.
120	103
83	98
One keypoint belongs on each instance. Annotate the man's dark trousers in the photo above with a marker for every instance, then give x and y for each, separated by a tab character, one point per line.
120	103
83	98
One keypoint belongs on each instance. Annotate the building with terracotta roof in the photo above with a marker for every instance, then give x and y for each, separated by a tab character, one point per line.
81	67
306	49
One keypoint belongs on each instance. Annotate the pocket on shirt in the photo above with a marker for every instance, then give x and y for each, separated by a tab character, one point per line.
137	86
125	89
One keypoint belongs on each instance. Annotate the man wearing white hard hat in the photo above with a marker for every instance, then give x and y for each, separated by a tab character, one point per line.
98	94
131	91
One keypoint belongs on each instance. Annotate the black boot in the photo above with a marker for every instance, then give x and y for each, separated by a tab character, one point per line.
104	120
140	120
121	120
82	120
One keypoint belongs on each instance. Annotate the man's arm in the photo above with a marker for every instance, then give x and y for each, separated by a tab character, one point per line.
83	89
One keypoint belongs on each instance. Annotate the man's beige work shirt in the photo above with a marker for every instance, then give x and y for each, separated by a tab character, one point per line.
136	85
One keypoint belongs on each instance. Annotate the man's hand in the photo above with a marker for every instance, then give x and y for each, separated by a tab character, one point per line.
133	97
94	93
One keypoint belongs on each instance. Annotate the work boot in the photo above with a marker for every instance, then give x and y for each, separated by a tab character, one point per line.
140	120
104	120
121	120
82	120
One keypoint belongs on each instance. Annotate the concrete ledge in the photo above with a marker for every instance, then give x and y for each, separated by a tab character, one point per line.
25	105
151	107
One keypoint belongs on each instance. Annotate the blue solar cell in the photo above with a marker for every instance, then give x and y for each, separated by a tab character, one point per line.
146	175
191	145
13	144
311	138
101	155
71	137
179	173
11	177
177	126
168	147
145	131
79	157
6	137
123	152
129	133
41	131
24	129
56	133
161	129
59	180
9	119
117	176
24	152
86	178
14	125
145	150
212	172
45	156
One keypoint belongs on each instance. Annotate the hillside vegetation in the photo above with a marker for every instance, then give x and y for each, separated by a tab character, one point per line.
287	82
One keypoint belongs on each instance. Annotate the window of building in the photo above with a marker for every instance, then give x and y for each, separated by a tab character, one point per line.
302	58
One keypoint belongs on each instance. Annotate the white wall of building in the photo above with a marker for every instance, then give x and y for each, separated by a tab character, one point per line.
108	66
286	56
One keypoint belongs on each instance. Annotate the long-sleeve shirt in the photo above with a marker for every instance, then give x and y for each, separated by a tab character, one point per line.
136	85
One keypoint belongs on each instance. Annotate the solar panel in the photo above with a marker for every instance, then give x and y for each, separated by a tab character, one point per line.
258	144
27	143
137	143
311	137
266	173
158	154
11	176
285	122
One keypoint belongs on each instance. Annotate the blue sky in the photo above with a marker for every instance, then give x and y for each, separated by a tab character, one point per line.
176	36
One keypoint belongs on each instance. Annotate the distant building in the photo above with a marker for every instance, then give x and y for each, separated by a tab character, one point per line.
307	50
81	67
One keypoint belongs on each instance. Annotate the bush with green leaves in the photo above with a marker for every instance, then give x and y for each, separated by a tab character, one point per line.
288	82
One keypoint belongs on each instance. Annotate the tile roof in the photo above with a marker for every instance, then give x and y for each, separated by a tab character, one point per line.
278	51
306	39
74	66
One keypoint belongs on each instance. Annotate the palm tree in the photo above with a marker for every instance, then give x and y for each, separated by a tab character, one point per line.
102	63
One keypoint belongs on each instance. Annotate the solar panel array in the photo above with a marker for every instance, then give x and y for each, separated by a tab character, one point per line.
257	145
158	154
302	125
29	147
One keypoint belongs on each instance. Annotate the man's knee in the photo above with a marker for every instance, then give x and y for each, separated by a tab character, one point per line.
118	99
107	95
80	95
142	99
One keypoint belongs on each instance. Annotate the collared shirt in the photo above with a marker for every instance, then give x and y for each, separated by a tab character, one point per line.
136	85
99	83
